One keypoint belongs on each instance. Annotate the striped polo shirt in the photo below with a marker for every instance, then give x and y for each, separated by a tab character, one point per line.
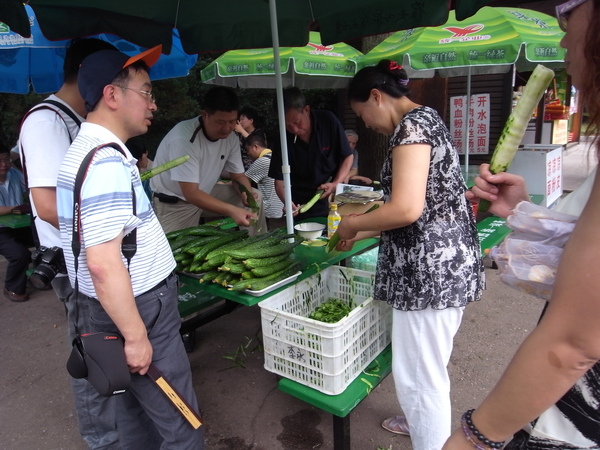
107	210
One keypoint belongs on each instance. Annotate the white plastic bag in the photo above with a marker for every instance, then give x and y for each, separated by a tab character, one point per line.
528	257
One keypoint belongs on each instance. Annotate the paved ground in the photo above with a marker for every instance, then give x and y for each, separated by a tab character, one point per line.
243	410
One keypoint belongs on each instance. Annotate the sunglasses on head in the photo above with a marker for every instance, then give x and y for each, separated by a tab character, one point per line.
564	10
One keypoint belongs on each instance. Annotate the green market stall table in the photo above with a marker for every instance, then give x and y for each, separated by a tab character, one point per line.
15	220
315	259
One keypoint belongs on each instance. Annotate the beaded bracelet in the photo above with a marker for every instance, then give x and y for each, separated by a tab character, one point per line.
469	428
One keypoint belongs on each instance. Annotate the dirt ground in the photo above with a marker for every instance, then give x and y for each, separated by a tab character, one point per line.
242	407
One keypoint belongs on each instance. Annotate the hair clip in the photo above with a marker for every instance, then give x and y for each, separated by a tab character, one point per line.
394	65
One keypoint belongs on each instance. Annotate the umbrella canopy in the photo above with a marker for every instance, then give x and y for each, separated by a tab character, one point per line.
488	42
233	24
38	62
314	66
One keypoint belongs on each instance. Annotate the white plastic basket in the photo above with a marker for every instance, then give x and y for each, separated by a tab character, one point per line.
324	356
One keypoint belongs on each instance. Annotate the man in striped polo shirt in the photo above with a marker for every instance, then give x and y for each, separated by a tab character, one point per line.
136	297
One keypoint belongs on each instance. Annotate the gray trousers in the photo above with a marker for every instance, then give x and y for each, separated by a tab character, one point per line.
167	428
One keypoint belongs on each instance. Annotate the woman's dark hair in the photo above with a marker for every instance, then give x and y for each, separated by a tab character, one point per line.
387	76
251	114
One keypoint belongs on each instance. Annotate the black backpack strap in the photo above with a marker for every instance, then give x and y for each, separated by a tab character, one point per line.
45	105
64	109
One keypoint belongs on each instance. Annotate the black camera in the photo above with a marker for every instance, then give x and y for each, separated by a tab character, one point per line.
48	262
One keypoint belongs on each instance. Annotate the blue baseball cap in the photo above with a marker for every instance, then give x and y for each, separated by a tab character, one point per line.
100	68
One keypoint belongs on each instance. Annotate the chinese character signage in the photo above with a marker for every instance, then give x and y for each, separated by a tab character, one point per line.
477	121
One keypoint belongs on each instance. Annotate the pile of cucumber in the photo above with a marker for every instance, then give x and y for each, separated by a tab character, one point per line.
232	258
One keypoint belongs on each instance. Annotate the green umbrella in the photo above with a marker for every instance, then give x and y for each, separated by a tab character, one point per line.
314	66
208	25
490	41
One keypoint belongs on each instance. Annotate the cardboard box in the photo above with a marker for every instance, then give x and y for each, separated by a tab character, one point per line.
356	208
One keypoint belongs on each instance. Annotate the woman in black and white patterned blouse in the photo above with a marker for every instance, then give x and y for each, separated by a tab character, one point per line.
429	265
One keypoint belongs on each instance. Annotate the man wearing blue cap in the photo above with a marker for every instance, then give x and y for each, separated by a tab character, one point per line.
133	295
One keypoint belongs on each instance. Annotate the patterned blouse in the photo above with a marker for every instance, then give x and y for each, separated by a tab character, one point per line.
434	262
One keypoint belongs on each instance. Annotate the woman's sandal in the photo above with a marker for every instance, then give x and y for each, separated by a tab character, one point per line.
396	424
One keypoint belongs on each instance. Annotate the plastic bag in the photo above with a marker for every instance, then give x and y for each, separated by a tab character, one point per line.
528	257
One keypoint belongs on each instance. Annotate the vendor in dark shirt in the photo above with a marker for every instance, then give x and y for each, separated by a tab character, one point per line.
318	151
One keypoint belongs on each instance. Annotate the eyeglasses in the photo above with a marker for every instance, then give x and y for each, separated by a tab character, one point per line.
149	95
564	10
6	161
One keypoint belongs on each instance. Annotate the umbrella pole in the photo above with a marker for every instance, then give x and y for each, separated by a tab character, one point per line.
285	168
466	126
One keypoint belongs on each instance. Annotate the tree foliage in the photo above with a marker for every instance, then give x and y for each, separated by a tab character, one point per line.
177	99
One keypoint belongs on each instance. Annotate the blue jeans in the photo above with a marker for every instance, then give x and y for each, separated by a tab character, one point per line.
96	415
144	400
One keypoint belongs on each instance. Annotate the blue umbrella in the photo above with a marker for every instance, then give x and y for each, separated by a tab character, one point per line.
38	62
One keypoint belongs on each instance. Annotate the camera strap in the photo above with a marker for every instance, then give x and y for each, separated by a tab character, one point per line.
129	243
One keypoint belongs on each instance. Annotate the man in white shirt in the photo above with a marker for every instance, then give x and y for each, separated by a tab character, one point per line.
184	192
46	133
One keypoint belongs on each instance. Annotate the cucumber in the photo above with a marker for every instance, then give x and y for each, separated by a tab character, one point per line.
253	263
206	249
177	234
249	241
515	125
236	268
198	242
220	278
207	231
240	285
180	257
249	197
163	167
258	284
265	252
268	270
309	204
209	276
180	242
209	265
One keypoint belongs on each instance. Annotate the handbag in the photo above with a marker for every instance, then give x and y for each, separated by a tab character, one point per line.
99	356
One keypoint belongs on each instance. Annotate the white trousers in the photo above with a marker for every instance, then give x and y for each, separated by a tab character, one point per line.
421	347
